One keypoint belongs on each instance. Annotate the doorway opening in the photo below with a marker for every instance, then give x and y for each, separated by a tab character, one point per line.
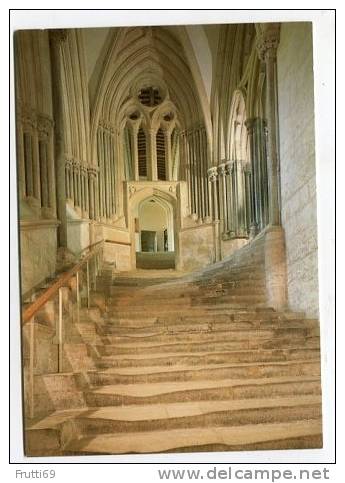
155	234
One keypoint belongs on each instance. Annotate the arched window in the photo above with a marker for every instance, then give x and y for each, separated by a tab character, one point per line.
142	153
160	142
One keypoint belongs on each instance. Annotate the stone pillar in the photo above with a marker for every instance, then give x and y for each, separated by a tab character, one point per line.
43	172
199	175
254	199
100	146
112	174
213	175
248	193
193	174
20	157
187	170
203	148
222	183
91	185
267	43
106	173
229	169
36	165
57	37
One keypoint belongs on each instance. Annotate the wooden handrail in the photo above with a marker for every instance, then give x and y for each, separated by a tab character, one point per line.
62	280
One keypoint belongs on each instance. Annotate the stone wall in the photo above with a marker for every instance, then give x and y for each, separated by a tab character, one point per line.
196	248
38	245
297	159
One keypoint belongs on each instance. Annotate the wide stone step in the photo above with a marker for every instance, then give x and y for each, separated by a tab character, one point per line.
145	303
214	333
202	414
296	434
191	327
178	358
152	393
215	313
133	375
244	287
205	333
236	342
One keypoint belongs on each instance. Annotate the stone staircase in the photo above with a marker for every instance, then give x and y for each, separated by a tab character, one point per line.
191	363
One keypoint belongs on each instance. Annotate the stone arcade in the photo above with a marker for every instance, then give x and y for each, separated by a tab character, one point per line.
168	239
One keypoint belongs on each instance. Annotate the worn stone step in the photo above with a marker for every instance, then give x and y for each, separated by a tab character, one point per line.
200	414
151	393
149	303
133	375
227	312
234	342
190	328
231	332
205	333
296	434
177	358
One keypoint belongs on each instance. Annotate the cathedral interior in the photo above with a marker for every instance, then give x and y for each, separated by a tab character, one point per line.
168	239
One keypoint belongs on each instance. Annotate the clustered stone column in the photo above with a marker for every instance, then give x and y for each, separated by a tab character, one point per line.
107	179
57	38
80	187
257	134
231	197
267	43
194	154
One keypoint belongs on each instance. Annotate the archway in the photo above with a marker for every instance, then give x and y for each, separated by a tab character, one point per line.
155	226
154	229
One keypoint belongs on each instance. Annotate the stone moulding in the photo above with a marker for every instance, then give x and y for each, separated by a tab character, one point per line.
38	224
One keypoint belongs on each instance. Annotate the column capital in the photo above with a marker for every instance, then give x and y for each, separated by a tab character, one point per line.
221	169
229	167
267	41
213	174
44	126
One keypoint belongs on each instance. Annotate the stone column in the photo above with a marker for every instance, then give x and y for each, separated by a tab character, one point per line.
91	187
229	169
70	181
213	175
267	43
45	126
100	146
57	37
192	173
248	192
187	170
222	182
20	157
199	160
36	165
254	198
43	171
204	183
